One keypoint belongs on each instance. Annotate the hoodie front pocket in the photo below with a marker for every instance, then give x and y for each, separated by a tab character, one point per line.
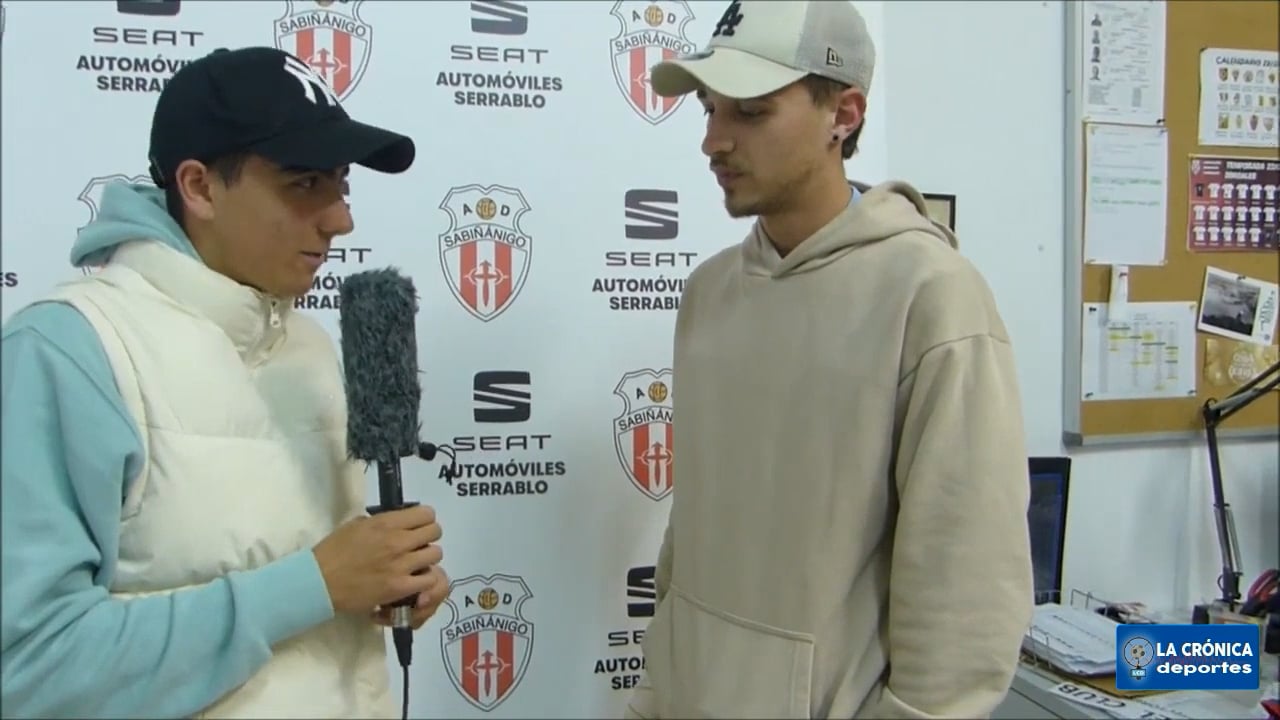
707	663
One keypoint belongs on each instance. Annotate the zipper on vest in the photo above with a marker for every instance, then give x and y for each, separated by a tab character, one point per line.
274	318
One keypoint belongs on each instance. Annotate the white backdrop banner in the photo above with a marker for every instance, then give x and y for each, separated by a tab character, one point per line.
549	223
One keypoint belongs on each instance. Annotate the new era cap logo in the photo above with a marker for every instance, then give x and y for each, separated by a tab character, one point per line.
499	17
652	214
728	23
312	85
833	58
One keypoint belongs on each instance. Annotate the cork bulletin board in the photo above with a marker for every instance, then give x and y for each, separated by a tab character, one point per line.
1192	26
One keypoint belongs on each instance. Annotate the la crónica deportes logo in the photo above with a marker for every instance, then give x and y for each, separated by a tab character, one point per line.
1187	657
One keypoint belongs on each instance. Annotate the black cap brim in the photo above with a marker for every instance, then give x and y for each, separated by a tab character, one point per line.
337	143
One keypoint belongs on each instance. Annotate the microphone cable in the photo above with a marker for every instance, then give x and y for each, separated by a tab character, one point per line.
404	703
428	451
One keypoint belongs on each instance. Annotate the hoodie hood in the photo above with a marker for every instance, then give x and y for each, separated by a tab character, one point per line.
128	212
882	212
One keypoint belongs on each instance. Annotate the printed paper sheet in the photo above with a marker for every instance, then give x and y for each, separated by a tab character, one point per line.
1123	49
1125	195
1151	353
1239	98
1234	204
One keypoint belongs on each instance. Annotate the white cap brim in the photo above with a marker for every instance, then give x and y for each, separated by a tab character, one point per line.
725	71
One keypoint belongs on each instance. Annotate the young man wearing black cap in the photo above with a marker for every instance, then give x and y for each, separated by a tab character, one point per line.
848	535
182	531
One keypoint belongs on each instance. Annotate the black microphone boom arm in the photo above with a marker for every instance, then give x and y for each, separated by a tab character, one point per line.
1215	412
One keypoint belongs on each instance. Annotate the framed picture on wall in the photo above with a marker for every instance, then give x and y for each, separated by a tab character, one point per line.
942	209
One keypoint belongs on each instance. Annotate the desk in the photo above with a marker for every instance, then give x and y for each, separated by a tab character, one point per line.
1031	697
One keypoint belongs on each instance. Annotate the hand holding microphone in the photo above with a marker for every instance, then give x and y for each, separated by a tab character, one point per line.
375	561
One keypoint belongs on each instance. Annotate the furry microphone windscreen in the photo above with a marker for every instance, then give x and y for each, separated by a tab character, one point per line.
380	364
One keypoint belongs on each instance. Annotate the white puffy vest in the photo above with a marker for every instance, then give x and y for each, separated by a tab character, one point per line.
241	408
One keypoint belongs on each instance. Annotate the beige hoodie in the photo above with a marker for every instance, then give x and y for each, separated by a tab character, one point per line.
848	533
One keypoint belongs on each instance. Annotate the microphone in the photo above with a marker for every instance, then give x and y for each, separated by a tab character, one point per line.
380	368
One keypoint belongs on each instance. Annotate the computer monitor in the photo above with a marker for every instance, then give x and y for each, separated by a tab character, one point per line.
1047	520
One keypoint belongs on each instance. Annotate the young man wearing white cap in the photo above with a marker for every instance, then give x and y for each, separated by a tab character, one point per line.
848	537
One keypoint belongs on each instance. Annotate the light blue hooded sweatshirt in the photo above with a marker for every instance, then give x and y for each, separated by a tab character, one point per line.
71	449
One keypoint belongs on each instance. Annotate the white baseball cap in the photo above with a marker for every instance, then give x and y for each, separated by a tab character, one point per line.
759	46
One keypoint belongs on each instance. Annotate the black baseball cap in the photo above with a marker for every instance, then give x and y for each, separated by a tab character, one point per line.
267	102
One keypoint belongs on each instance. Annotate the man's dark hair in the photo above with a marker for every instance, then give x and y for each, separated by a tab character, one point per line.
227	167
824	90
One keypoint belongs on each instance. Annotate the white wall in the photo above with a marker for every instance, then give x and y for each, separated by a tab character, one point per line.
978	111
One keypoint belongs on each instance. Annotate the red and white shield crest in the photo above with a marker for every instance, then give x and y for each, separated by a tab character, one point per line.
485	254
642	433
91	196
487	644
652	31
330	36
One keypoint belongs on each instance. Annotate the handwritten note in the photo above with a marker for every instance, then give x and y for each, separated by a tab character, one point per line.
1126	182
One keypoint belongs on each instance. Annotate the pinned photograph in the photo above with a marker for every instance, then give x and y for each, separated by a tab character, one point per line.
1239	307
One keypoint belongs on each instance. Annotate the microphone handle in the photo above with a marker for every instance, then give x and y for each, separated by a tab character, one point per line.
391	497
390	485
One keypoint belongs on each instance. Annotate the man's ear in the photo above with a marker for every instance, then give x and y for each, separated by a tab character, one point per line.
194	182
849	111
